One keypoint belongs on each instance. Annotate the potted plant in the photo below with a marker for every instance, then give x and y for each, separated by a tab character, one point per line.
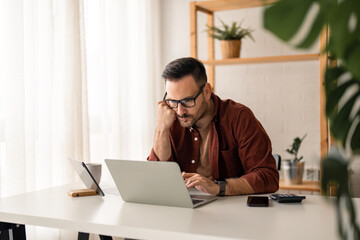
284	19
230	38
293	168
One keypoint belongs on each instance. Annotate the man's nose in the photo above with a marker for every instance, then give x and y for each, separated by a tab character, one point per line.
180	110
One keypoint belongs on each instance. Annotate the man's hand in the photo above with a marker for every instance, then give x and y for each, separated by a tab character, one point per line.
162	145
201	183
166	116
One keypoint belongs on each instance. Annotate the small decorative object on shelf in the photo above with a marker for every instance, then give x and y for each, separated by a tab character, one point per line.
293	169
230	38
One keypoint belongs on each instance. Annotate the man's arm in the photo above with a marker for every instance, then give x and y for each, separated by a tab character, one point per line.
162	145
238	186
234	186
255	153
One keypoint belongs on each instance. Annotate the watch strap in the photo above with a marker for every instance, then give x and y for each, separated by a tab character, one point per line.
222	184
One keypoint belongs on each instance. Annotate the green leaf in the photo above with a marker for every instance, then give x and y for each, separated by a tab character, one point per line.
295	148
314	31
353	59
331	76
285	17
335	96
341	36
335	169
233	29
342	122
233	32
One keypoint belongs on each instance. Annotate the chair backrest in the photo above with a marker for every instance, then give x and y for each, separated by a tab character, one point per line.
277	160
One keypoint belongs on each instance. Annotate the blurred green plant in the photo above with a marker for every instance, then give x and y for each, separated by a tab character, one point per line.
342	84
295	149
227	32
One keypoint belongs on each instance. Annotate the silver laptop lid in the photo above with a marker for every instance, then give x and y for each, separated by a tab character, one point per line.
159	183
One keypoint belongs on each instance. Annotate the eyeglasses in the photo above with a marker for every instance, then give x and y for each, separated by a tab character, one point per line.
186	102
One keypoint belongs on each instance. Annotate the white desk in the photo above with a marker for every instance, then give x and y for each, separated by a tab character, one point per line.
226	218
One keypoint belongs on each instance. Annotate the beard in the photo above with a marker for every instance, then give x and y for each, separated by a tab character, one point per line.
186	120
189	120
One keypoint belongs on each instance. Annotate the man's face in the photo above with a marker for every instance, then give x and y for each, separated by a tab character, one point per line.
183	89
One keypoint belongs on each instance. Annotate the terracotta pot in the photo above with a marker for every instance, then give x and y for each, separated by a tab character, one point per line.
230	48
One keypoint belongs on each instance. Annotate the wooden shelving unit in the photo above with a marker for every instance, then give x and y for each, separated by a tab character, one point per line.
210	7
223	5
270	59
312	186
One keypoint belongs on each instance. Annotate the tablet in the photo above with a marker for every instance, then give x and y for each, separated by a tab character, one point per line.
86	176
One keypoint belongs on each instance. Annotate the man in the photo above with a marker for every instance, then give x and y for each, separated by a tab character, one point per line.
219	145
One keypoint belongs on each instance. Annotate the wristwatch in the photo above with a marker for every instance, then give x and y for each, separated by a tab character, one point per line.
222	184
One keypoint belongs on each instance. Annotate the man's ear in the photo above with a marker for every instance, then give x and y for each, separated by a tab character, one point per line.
207	91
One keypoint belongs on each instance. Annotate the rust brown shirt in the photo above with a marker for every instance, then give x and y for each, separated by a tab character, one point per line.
238	147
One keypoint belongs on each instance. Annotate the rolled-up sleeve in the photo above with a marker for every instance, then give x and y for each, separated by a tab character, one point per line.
154	157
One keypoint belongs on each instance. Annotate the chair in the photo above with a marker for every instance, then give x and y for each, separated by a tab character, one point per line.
85	236
278	161
17	231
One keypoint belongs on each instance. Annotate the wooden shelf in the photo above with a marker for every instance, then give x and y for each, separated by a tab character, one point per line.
223	5
210	7
313	186
270	59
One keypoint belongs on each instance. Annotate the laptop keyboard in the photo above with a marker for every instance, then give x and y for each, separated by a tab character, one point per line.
195	201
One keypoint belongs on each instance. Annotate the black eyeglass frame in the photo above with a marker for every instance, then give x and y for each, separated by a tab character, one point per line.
184	99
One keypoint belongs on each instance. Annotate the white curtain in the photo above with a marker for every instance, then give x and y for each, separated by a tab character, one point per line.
43	107
122	43
43	94
78	78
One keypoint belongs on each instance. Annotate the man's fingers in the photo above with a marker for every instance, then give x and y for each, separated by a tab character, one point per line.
195	180
161	104
193	183
199	182
187	175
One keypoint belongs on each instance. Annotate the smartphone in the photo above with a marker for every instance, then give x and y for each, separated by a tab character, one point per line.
257	201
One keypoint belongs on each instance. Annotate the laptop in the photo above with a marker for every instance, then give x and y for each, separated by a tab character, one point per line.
86	176
157	183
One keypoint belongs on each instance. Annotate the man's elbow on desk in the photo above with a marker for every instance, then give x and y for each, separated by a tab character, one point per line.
263	182
238	186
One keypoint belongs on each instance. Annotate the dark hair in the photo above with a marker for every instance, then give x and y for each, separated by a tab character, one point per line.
182	67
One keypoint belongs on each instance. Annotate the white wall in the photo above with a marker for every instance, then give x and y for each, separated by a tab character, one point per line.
283	96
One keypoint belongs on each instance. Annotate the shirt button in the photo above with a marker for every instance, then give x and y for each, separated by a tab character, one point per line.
195	138
192	161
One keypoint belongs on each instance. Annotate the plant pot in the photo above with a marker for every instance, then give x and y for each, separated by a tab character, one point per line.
230	48
292	171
